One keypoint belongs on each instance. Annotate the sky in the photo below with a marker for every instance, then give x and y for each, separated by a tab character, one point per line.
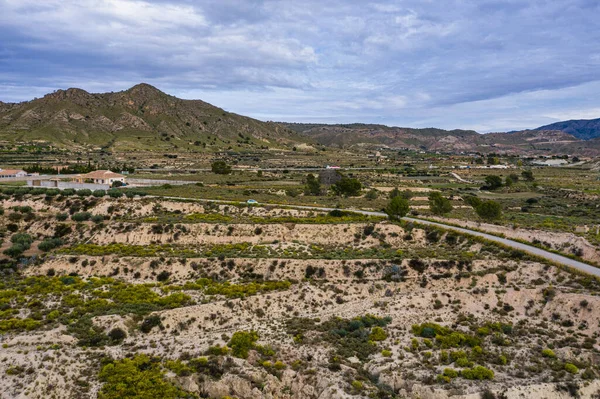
471	64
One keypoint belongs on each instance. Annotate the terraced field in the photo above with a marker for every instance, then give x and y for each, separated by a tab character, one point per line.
216	301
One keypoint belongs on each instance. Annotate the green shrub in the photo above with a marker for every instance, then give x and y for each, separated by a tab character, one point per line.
149	323
140	377
241	342
22	239
438	204
451	373
81	216
84	192
571	368
49	244
477	373
377	334
115	193
548	353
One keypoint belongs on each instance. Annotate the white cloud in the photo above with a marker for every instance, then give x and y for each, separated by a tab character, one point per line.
486	64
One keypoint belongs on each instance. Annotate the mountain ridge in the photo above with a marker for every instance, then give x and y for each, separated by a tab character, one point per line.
527	142
141	117
585	129
146	118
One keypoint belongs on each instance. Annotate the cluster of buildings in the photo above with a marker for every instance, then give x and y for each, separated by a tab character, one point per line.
98	179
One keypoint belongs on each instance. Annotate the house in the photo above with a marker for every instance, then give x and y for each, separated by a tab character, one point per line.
100	177
6	173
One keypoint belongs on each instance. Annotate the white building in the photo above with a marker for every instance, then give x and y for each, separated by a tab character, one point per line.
7	173
100	177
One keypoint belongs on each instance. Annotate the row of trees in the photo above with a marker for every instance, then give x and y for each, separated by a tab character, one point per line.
398	207
494	182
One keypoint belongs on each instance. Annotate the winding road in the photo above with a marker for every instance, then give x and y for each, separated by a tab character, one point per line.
551	256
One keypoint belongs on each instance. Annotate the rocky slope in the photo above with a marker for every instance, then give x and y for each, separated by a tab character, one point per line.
305	308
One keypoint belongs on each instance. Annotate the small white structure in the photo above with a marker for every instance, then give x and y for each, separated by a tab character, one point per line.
100	177
7	173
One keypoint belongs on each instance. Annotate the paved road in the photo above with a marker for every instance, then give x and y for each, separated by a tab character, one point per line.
551	256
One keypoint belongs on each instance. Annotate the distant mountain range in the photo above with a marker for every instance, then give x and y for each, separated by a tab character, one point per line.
527	142
144	118
140	118
584	129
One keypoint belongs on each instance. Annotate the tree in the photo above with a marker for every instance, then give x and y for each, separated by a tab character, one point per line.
220	168
493	182
527	175
508	181
472	200
439	204
489	210
313	186
406	194
348	187
397	208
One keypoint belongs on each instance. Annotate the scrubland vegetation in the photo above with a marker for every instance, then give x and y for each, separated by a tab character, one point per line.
102	290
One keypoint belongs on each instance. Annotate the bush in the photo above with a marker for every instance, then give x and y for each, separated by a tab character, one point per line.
472	201
347	187
477	373
241	342
493	182
61	217
139	377
163	276
372	194
549	353
99	193
313	186
115	193
117	335
439	204
49	244
489	210
451	373
220	168
97	219
14	251
149	323
81	216
84	192
377	334
571	368
22	239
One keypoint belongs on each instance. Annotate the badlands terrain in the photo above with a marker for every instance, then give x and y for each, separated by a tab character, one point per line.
180	299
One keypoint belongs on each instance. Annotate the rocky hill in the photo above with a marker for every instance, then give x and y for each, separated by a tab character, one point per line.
141	117
525	142
584	129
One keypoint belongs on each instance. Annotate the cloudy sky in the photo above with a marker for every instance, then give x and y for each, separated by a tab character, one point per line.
479	64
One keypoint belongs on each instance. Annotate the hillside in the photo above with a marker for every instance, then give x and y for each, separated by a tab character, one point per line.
584	129
141	118
525	142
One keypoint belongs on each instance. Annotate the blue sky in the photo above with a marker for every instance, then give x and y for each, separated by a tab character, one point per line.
474	64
